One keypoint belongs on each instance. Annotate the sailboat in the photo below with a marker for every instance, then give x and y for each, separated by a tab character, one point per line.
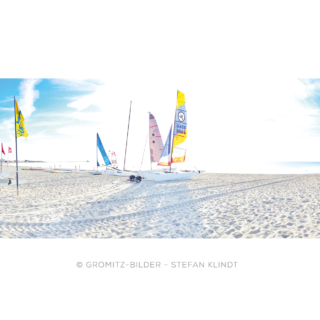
155	148
174	152
155	145
124	172
109	170
112	166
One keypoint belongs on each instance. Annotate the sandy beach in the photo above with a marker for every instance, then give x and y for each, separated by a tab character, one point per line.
79	205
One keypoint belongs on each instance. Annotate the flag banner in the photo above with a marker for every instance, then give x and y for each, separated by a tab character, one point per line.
179	144
9	150
102	151
20	127
2	149
165	155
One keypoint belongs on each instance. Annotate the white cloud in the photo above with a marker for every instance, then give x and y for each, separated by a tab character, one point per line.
7	124
90	116
7	99
48	115
38	136
77	130
77	84
28	95
48	124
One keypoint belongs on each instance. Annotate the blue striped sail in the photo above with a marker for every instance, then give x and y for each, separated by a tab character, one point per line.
102	151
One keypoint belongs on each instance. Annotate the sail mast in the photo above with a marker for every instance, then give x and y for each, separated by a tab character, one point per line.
174	124
143	152
125	153
97	152
149	141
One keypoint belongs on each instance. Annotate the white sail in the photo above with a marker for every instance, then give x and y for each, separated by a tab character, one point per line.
113	159
155	140
166	154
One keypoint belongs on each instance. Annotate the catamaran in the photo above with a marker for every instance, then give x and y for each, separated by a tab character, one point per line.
155	145
174	152
110	169
155	148
124	172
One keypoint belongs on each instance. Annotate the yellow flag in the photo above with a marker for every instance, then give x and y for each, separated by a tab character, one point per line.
20	127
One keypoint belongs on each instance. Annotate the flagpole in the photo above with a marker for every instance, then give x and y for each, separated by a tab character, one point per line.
125	153
15	135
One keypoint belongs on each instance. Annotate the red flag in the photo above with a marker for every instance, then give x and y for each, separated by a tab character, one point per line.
2	149
9	150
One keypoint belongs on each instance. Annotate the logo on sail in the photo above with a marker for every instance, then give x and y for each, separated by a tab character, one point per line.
181	116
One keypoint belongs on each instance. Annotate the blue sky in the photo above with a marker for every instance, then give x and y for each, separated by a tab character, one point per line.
257	119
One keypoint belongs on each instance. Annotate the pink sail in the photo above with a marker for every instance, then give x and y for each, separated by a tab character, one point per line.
155	140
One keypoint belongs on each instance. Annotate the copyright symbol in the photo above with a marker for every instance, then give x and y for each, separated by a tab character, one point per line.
79	264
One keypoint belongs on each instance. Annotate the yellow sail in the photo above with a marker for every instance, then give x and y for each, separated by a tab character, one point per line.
179	143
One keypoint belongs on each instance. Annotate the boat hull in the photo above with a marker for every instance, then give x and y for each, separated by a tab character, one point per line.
169	176
129	173
103	172
4	182
125	173
115	173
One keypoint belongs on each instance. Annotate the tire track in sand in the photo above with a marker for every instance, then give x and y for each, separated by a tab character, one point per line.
121	201
64	226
